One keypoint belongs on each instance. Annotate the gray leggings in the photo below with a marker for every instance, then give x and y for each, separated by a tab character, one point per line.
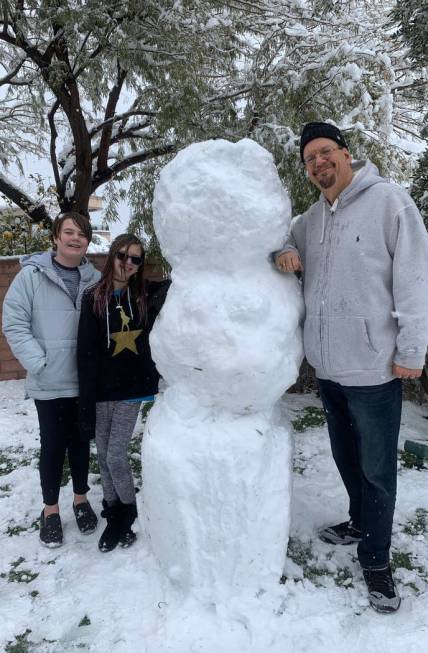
114	427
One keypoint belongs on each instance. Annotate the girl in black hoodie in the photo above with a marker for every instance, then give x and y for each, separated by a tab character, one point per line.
117	373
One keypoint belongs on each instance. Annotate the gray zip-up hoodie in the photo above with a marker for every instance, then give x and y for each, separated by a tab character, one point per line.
40	322
365	281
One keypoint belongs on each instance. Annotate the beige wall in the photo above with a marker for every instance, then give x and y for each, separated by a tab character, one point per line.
9	267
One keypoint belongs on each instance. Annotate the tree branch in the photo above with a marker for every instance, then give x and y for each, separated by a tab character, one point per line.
81	50
93	55
133	159
118	117
408	131
36	212
68	97
121	117
7	78
54	135
120	136
109	113
51	49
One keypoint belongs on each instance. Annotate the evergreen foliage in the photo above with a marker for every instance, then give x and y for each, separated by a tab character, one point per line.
420	186
412	18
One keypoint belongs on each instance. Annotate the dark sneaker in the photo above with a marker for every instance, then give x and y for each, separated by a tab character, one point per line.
50	530
344	533
85	517
383	595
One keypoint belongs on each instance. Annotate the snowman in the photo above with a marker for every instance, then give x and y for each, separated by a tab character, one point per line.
217	449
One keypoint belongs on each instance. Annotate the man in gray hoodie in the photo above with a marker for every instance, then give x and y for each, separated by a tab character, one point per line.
362	249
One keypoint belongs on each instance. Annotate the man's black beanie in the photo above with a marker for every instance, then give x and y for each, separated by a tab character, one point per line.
320	130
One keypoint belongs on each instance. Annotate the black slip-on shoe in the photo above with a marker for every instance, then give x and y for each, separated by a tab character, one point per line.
86	519
50	530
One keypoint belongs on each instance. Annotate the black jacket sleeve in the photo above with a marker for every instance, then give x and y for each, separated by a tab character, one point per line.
156	292
88	343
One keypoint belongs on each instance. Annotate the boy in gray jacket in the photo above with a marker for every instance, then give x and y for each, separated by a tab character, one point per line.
40	321
363	252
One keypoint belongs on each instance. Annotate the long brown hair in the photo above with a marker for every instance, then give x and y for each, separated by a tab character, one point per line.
103	290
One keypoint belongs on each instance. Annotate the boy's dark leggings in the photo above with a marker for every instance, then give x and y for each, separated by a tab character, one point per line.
59	433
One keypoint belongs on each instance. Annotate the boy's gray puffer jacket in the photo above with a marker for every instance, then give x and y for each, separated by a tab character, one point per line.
365	281
40	323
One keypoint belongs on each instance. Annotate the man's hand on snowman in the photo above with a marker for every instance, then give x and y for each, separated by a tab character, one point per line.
289	262
405	372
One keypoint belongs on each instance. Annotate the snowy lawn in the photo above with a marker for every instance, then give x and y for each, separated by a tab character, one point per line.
77	599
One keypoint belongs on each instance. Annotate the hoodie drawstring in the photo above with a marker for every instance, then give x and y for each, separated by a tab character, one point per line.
129	303
108	325
323	223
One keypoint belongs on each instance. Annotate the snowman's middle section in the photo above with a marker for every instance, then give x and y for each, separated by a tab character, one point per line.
232	340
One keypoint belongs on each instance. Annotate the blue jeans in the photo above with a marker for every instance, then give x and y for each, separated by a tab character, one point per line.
363	424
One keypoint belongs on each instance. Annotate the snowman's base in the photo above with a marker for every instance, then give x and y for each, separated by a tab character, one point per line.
195	628
248	623
216	494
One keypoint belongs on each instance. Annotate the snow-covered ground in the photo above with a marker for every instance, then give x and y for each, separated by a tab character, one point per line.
77	599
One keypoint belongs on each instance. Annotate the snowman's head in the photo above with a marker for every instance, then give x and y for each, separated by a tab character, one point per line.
220	204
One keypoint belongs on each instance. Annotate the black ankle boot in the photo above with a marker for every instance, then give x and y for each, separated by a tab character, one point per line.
110	535
128	514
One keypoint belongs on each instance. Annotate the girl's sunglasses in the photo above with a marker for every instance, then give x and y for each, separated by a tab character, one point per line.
135	260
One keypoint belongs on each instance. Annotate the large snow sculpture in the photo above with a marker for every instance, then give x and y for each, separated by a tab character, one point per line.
216	451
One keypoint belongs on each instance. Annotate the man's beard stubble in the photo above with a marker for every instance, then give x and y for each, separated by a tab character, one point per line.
328	181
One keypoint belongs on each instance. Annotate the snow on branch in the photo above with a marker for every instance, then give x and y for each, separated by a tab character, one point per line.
120	117
131	160
36	211
68	162
7	79
54	135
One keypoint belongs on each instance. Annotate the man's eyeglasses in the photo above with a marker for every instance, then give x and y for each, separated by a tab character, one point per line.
135	260
324	153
